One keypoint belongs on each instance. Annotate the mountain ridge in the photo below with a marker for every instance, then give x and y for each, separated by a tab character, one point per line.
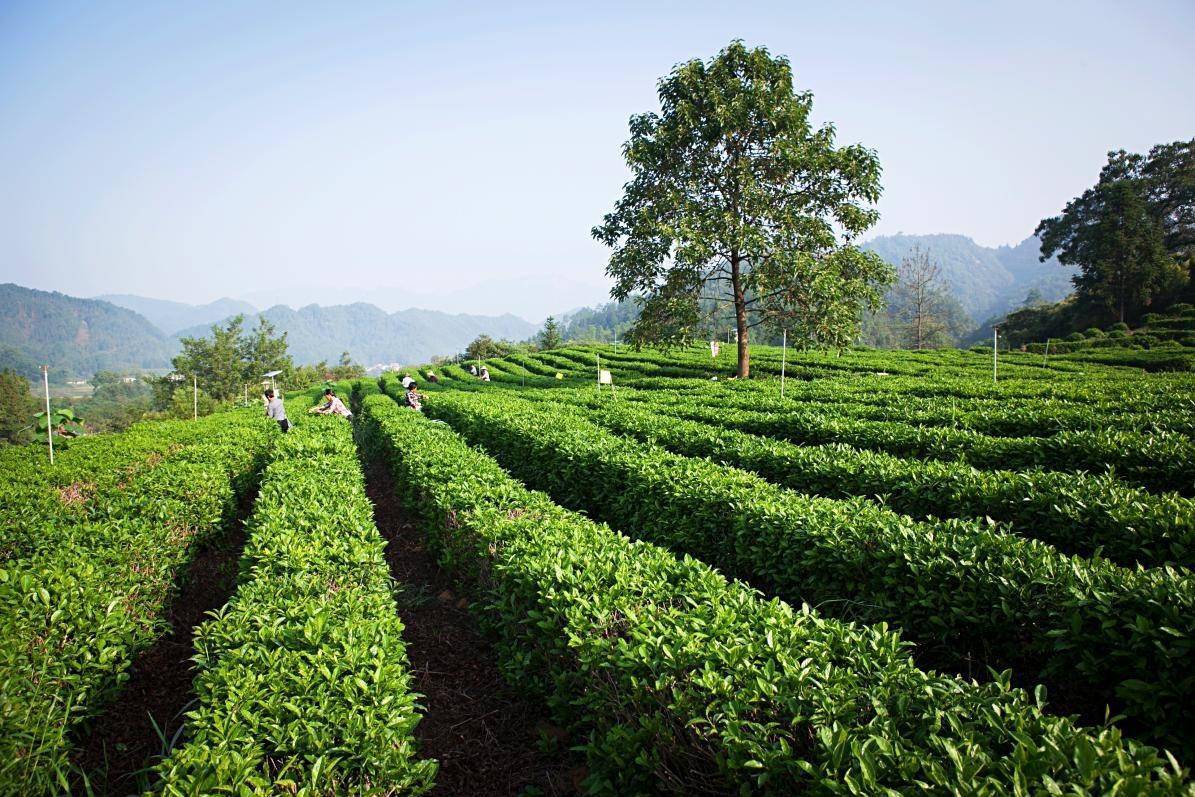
170	317
986	280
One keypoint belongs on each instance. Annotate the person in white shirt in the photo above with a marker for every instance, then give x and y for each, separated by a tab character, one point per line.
334	406
406	381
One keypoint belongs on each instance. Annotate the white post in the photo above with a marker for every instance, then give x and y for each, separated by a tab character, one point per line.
995	348
1046	359
195	396
523	362
598	381
45	372
783	361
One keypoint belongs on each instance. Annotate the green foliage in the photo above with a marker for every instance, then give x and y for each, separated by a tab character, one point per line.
303	679
549	336
346	369
484	347
682	681
63	422
1027	607
75	337
1131	233
737	198
232	358
82	595
1074	512
189	403
17	408
117	401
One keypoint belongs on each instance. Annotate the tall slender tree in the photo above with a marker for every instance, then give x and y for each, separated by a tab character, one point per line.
737	200
920	294
549	336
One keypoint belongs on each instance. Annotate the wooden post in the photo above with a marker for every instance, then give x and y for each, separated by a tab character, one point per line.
995	348
45	373
783	361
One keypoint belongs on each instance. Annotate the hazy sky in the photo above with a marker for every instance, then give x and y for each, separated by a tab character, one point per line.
190	151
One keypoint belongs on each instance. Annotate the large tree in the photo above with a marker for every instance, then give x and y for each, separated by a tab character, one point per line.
1132	235
230	358
738	203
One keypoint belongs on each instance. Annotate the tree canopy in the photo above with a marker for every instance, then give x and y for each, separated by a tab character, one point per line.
738	199
233	357
549	336
1132	235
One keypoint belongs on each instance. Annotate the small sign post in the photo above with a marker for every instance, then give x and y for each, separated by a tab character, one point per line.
45	373
783	360
995	348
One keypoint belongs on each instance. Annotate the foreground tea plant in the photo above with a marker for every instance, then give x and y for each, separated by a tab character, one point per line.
74	614
303	682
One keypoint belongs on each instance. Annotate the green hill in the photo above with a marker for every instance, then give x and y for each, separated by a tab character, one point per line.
76	337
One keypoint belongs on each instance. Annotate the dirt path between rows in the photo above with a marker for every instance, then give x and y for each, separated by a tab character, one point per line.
485	736
118	746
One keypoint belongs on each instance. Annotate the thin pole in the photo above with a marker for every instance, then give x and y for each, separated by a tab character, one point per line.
523	362
45	372
599	372
783	361
195	396
1046	359
995	341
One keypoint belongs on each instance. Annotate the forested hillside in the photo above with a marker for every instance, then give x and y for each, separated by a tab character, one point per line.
985	281
75	336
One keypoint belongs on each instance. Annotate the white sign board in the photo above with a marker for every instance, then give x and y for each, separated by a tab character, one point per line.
604	378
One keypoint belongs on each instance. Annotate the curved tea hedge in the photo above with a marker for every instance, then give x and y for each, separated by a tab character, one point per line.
1075	512
973	596
687	682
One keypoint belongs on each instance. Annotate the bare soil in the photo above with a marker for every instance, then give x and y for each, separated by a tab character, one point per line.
117	749
488	739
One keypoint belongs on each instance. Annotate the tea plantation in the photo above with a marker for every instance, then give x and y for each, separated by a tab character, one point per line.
889	573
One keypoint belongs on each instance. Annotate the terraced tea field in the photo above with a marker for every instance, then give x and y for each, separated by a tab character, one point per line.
891	575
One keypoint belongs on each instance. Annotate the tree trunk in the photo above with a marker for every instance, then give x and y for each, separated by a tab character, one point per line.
740	317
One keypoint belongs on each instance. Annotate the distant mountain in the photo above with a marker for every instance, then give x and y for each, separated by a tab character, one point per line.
530	298
986	281
76	337
170	317
372	335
